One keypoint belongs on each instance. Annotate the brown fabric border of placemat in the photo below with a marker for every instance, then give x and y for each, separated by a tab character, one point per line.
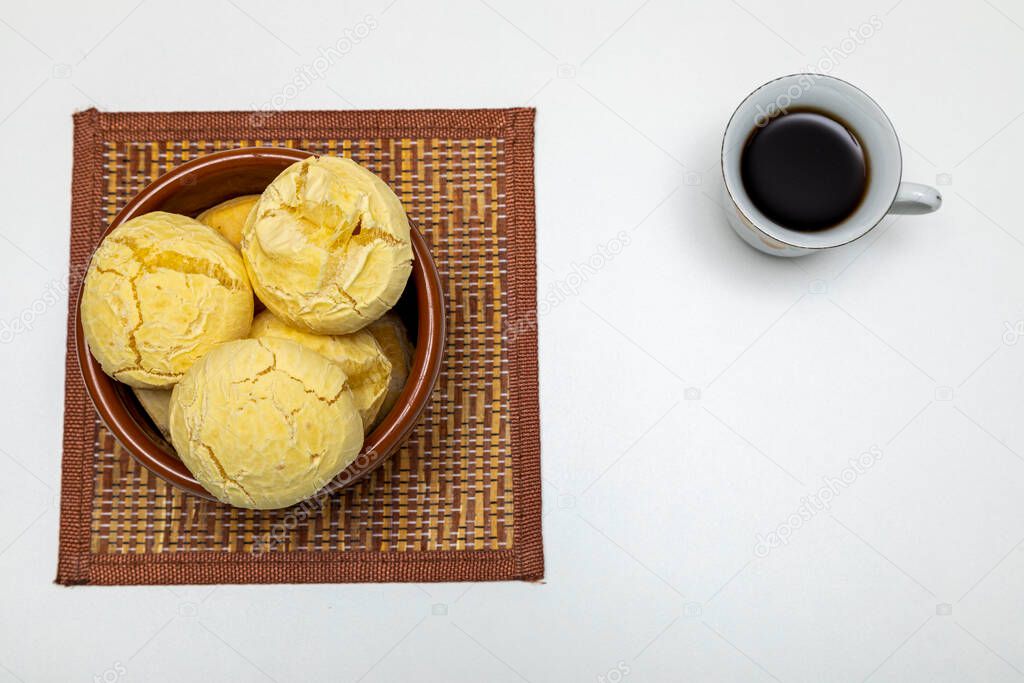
77	565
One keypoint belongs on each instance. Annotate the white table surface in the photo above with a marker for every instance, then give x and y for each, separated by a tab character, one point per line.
693	391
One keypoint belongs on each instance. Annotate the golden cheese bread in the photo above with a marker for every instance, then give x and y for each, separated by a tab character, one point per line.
228	217
391	335
327	246
162	290
358	354
264	423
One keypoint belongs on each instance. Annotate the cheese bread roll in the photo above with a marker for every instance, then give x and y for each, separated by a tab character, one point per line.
162	290
327	246
265	423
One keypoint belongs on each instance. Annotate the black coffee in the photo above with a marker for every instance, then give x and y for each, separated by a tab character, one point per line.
804	170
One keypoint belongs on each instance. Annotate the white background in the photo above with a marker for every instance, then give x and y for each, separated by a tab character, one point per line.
693	390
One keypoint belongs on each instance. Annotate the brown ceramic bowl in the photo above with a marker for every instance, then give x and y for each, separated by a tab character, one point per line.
197	185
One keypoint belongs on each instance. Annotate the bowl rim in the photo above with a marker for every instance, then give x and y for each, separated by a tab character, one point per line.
378	445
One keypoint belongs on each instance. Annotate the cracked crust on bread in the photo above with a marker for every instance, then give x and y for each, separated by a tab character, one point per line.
358	353
265	423
162	290
328	246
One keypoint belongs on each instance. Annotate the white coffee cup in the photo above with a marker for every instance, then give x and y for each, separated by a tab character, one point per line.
885	192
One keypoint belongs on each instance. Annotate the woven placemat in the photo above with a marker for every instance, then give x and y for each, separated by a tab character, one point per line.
460	501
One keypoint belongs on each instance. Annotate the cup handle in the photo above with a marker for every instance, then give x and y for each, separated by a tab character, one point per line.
915	198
